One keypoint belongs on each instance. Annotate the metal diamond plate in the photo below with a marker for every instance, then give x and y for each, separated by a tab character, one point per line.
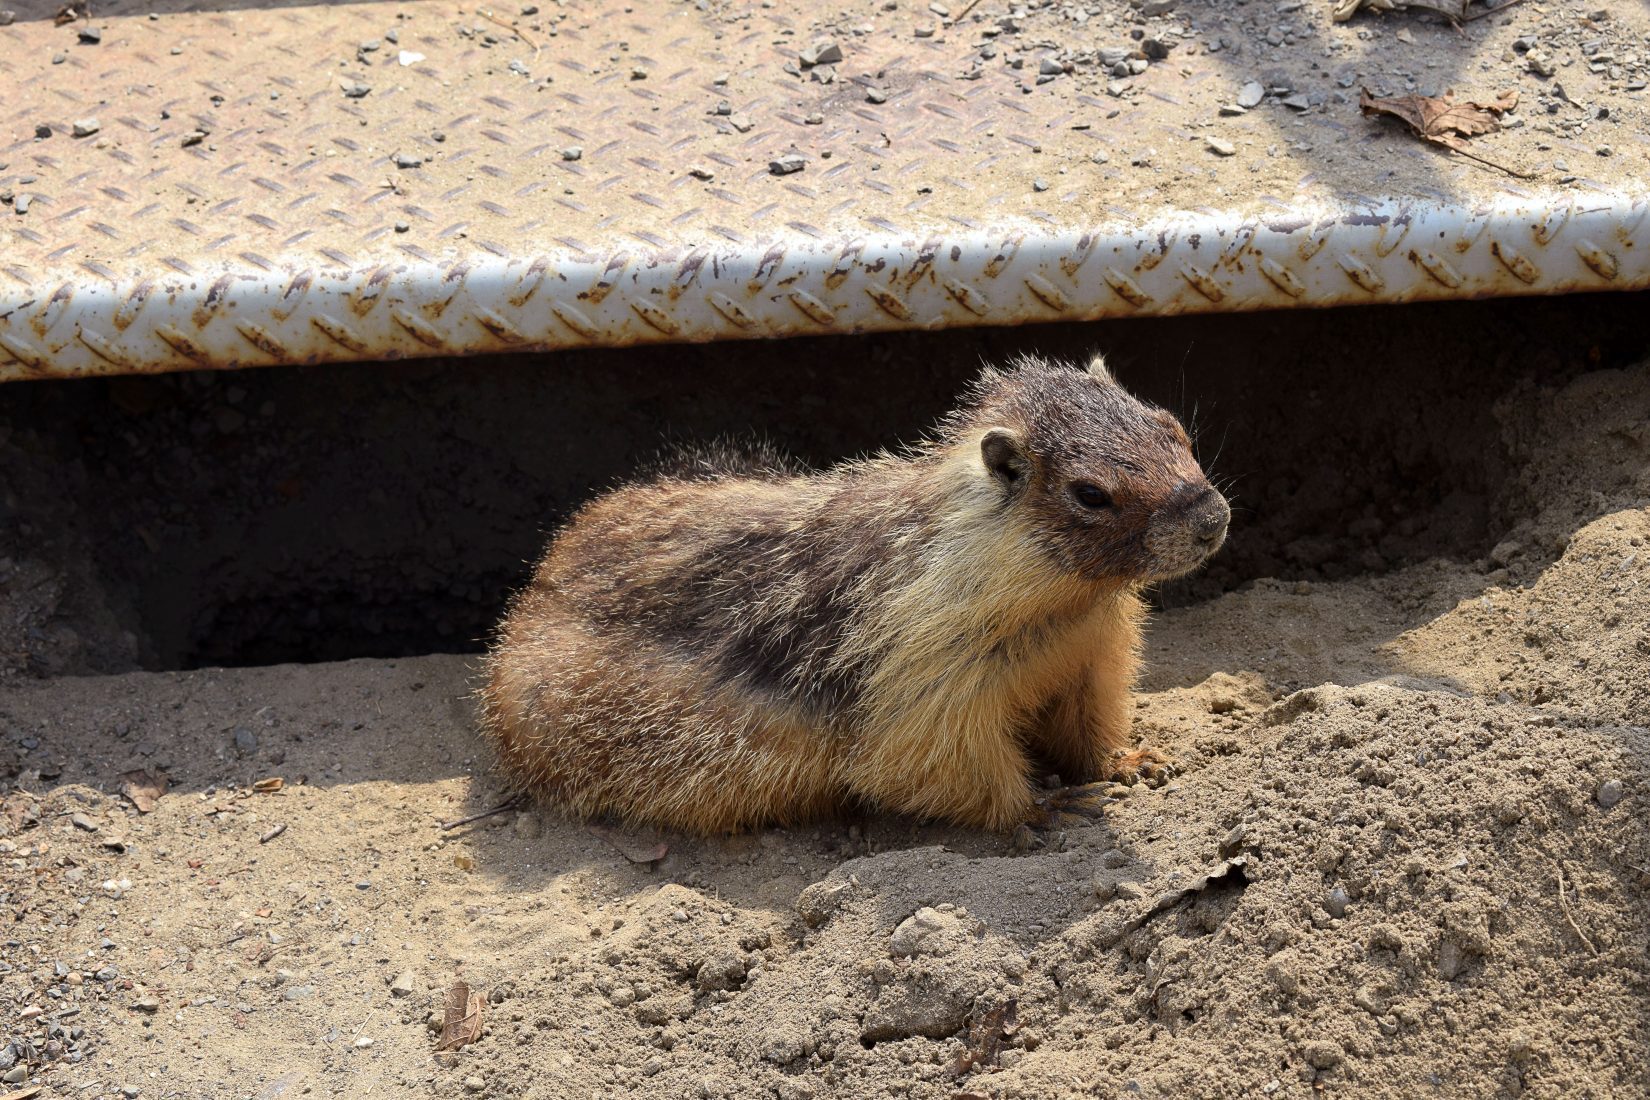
332	183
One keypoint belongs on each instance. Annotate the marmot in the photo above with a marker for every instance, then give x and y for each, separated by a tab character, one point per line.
738	644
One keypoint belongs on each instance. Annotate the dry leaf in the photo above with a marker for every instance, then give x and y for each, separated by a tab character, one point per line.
632	848
1441	118
461	1017
986	1036
143	789
23	1094
270	785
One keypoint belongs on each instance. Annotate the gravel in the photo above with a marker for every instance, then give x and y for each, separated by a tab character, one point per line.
787	164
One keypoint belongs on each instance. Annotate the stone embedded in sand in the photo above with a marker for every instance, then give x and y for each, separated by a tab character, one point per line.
817	902
1451	960
1337	901
1610	792
927	931
926	1006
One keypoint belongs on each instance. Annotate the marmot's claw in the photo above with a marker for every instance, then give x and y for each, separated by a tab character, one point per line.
1147	764
1069	806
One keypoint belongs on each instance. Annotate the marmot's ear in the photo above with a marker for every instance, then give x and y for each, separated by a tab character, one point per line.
1097	367
1005	456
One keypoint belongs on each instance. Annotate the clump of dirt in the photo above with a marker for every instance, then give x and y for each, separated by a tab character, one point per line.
1406	854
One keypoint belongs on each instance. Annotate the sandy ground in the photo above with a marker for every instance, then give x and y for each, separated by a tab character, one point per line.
1406	855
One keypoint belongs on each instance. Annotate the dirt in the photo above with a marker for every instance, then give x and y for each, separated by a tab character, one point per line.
1406	854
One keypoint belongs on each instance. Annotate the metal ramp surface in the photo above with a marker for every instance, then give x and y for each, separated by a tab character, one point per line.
280	183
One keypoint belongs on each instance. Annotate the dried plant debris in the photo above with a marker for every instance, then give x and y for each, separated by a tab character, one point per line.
1444	120
143	789
461	1018
988	1033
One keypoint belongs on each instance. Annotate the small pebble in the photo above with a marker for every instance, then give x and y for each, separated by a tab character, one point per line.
572	152
86	127
876	95
1337	901
7	17
357	90
1610	792
1039	184
1048	66
90	35
193	137
147	1003
298	993
787	164
1251	94
700	172
81	821
404	985
408	160
42	130
15	1075
822	52
246	742
474	1083
1223	148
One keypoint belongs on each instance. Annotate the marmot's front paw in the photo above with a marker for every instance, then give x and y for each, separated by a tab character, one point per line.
1061	809
1148	764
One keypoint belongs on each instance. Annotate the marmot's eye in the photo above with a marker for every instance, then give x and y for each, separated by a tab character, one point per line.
1089	495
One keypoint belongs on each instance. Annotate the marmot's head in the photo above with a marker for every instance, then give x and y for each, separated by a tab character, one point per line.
1105	482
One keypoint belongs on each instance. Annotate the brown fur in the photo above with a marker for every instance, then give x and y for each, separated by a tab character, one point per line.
737	643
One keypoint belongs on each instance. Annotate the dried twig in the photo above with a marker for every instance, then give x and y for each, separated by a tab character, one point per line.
514	802
496	21
1564	906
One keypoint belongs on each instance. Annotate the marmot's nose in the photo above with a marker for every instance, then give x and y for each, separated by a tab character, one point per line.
1211	515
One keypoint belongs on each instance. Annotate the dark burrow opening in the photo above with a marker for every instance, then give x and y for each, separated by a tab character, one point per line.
387	509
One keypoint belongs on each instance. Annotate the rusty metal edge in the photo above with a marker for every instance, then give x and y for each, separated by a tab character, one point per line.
182	316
